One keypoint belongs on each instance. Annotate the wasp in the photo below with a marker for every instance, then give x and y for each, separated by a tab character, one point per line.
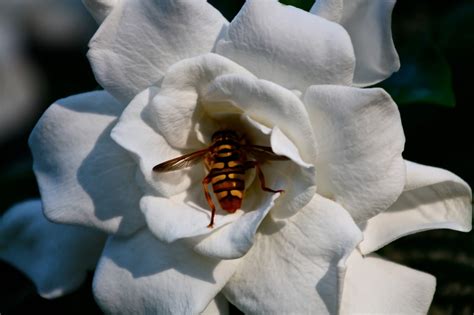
226	159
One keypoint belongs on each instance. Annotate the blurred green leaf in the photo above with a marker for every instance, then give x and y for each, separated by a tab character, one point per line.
424	76
302	4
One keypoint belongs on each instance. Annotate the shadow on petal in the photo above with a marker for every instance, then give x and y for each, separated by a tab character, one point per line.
83	176
150	257
325	286
141	275
112	108
151	115
271	226
107	175
428	195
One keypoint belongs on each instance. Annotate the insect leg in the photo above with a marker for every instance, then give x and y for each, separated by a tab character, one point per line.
205	184
261	177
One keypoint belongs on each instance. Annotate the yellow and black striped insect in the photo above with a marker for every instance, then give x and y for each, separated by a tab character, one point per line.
227	159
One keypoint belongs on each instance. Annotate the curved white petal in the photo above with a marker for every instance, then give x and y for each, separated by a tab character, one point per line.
187	215
433	198
360	140
294	265
55	257
84	177
178	112
134	133
140	39
99	9
375	286
288	46
141	275
368	23
234	240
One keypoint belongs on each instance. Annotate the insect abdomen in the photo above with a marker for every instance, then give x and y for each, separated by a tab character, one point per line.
228	177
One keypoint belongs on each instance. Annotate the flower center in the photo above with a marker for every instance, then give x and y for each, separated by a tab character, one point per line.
227	159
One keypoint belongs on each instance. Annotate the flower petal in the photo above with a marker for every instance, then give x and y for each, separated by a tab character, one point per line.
149	148
178	108
140	39
99	9
234	240
141	275
375	286
55	256
84	176
368	23
265	39
187	215
293	267
360	140
433	199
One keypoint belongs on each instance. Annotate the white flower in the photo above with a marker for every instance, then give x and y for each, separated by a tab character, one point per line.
175	72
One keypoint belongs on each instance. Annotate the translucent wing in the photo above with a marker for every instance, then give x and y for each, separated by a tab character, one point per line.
262	153
181	161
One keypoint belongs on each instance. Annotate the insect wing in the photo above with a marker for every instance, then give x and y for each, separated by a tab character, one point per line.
263	153
181	161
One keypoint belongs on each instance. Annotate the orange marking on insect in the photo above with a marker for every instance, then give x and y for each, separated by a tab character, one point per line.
233	163
224	154
237	193
221	194
219	165
218	178
225	147
226	169
228	185
236	176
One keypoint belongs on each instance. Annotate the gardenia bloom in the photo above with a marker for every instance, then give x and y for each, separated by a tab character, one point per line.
174	72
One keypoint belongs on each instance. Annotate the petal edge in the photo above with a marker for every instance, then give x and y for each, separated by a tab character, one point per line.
433	199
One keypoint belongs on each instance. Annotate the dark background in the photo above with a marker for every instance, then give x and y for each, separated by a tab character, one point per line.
434	92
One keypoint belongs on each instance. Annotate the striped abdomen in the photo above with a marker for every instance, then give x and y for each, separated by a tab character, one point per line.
228	175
